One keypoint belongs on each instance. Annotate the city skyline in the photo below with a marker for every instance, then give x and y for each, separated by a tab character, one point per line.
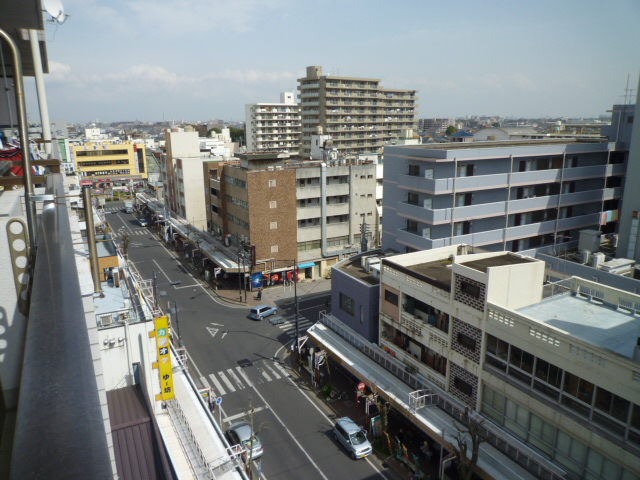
152	61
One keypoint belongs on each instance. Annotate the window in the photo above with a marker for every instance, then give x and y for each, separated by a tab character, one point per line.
463	386
273	204
273	225
391	297
470	289
272	183
414	170
274	248
346	304
466	341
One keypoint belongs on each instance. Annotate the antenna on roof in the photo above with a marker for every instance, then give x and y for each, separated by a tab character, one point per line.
56	10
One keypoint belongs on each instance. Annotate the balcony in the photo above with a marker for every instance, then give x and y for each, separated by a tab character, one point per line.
308	212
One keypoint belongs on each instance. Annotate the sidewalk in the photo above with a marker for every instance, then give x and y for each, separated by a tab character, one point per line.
274	295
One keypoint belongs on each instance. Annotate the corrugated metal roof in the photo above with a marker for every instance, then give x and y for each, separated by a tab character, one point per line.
136	450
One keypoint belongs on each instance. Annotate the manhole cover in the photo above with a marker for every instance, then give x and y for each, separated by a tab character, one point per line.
244	363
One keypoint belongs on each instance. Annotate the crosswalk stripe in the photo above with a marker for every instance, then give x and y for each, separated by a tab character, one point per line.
217	384
281	368
265	375
274	373
205	382
235	378
226	381
244	375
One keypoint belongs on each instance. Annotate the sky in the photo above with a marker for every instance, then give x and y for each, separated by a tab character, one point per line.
198	60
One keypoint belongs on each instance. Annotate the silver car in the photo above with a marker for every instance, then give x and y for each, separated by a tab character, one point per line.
262	311
240	433
352	437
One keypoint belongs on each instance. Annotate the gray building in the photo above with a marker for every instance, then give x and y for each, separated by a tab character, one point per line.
355	293
511	195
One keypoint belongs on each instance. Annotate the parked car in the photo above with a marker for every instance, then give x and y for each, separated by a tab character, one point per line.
240	433
262	311
353	438
143	222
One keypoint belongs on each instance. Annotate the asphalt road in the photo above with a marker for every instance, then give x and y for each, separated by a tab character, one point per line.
242	360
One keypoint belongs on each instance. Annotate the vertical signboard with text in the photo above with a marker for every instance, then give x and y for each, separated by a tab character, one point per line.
164	358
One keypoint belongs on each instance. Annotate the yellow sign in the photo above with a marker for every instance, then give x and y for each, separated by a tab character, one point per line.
164	357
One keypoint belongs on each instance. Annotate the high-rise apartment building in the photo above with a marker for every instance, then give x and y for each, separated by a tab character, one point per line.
510	195
273	127
359	114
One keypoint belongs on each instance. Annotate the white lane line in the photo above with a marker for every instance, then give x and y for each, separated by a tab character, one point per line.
235	378
265	375
283	346
273	372
244	375
162	271
218	385
205	382
226	381
303	450
242	414
329	421
282	369
187	286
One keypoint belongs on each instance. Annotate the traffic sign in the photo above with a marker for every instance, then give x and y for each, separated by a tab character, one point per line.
219	400
361	386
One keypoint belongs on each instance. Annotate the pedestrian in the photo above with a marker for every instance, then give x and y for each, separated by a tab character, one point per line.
212	404
426	450
260	294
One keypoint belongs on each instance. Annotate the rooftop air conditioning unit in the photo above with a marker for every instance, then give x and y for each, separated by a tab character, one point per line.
597	259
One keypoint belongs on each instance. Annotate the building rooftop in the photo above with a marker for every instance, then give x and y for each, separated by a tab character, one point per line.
356	270
497	261
593	322
436	273
502	143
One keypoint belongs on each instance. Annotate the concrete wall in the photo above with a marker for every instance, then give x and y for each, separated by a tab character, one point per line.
365	319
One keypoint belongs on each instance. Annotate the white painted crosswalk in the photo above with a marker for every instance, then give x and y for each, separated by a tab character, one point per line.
239	378
140	231
289	326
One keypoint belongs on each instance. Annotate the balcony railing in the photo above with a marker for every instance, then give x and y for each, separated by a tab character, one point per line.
58	378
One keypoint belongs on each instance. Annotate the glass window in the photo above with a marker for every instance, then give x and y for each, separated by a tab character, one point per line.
541	434
346	304
497	347
549	373
391	297
635	416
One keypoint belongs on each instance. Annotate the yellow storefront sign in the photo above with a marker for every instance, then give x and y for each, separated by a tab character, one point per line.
164	357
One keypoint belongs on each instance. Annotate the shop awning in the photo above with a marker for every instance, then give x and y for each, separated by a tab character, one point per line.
307	265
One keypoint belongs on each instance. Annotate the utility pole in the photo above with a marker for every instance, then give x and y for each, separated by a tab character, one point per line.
180	344
295	294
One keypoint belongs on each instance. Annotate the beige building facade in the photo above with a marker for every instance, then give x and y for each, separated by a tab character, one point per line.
359	114
556	366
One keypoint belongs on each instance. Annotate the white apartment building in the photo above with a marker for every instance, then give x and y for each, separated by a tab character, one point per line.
183	176
273	127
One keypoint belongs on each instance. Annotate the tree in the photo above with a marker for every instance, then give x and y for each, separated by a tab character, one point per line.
215	129
237	135
451	130
470	429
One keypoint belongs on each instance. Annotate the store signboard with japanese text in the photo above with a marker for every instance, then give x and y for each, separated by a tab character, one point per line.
164	357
